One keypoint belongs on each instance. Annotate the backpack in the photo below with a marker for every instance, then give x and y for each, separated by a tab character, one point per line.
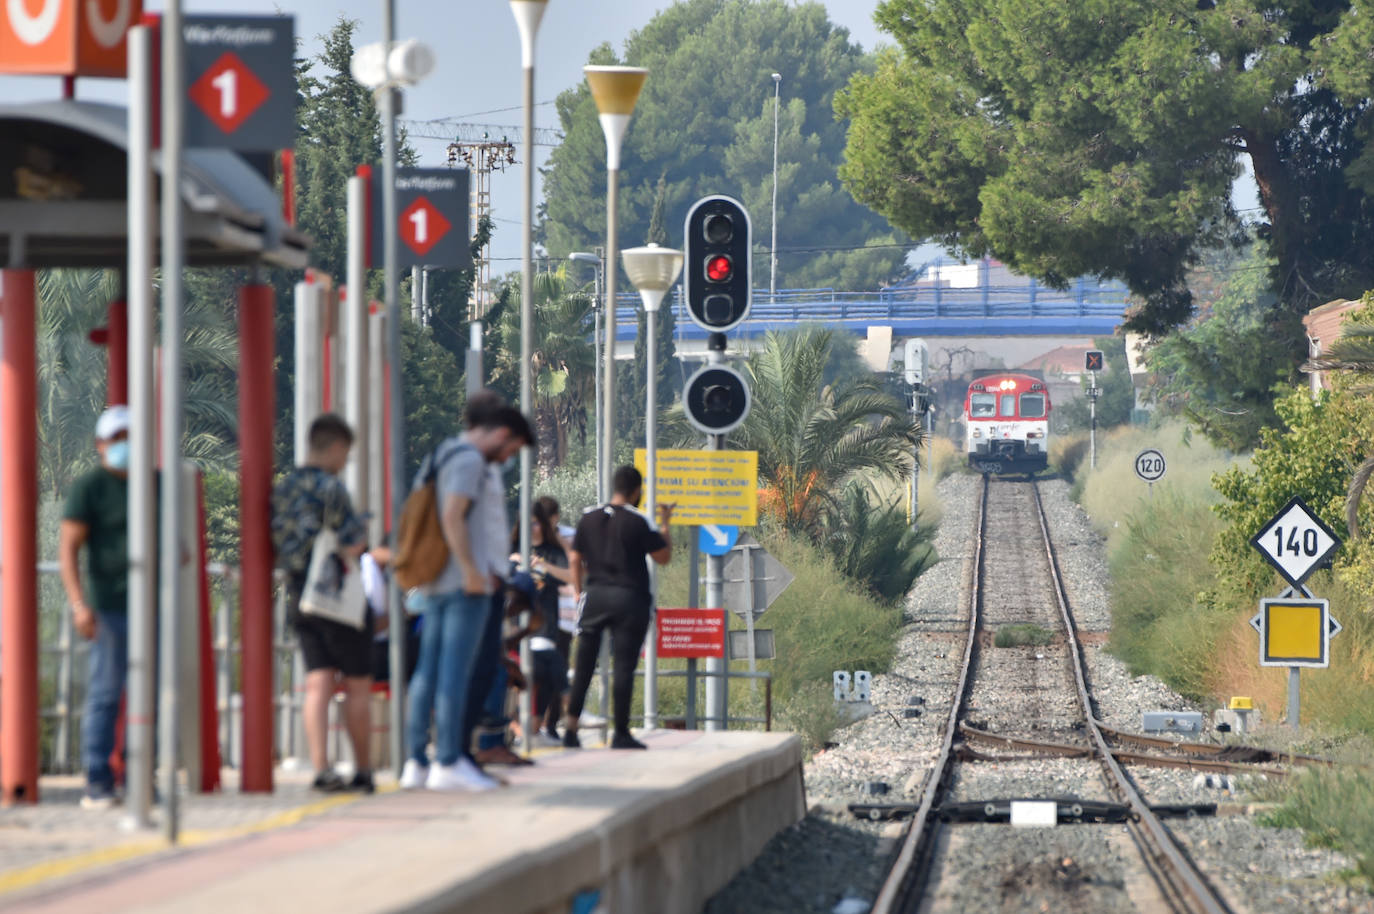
421	551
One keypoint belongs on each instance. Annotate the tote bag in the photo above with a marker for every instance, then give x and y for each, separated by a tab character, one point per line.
333	585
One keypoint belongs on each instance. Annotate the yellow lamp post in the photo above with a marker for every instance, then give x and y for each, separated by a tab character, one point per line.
615	91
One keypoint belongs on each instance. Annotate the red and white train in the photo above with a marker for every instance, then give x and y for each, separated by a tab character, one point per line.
1007	424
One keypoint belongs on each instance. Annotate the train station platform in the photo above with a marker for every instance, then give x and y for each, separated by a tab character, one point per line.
591	830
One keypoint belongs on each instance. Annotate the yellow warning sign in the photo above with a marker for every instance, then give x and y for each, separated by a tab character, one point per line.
1294	632
708	487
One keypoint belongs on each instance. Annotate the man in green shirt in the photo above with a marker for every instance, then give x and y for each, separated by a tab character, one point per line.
96	516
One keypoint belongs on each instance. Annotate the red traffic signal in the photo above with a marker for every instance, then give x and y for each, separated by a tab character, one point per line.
719	268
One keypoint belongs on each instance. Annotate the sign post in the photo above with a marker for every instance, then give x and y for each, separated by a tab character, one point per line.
753	580
1093	362
1295	628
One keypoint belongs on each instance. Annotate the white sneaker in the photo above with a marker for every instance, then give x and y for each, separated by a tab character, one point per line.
413	775
463	775
588	719
543	741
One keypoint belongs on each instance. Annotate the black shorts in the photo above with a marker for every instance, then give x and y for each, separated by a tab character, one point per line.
329	645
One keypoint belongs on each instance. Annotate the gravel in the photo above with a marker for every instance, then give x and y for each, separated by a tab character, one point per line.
832	858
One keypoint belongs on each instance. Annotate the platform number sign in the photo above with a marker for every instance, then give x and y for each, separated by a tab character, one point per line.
1296	541
431	220
240	82
1150	465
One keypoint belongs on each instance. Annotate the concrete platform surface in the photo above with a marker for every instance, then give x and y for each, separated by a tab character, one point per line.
610	831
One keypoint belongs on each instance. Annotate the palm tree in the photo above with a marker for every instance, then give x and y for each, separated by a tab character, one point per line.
813	438
562	362
72	375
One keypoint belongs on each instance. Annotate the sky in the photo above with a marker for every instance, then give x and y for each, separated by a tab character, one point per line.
477	76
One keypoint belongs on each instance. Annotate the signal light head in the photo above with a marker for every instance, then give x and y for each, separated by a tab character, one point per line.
718	228
719	268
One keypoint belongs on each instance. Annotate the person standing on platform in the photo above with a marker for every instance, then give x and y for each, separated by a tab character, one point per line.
96	516
305	502
549	564
453	675
608	566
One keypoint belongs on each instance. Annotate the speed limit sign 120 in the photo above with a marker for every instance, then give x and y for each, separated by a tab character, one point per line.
1150	465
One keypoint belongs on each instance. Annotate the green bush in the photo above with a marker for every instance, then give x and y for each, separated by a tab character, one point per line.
823	622
876	547
1335	806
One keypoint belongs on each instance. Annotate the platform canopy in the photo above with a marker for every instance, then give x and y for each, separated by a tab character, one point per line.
64	189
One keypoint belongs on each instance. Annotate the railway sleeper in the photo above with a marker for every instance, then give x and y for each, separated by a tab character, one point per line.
1069	811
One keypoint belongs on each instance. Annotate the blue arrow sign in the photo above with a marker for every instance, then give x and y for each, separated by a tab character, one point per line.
717	539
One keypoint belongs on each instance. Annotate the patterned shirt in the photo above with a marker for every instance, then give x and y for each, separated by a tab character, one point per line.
303	503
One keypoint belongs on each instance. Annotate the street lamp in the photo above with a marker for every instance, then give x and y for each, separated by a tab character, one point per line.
615	91
384	68
773	245
653	270
595	260
528	14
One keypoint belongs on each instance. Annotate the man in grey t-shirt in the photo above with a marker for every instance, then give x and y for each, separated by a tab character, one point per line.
458	604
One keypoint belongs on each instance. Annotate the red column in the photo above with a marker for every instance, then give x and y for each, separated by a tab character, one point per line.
117	350
257	407
19	549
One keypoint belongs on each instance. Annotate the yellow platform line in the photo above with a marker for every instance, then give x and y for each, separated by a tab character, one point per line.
38	873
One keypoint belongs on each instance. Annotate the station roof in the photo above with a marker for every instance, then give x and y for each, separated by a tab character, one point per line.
64	190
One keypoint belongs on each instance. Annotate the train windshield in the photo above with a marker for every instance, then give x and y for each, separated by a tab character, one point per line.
1008	405
1032	406
983	406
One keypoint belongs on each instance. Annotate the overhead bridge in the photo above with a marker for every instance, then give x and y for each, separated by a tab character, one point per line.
1086	308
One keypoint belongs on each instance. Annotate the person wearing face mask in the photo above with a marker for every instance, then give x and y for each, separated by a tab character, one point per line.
96	516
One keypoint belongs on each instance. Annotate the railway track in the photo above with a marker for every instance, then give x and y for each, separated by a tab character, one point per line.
1003	555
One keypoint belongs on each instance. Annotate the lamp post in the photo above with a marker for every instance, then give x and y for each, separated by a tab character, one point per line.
595	260
615	91
773	245
385	67
528	14
653	270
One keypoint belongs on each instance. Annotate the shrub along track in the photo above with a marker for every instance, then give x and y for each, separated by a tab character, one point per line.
1038	691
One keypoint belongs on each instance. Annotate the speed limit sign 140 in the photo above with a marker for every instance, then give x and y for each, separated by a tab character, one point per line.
1296	541
1150	465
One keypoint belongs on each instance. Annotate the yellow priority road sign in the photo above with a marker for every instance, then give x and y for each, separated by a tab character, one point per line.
709	487
1295	632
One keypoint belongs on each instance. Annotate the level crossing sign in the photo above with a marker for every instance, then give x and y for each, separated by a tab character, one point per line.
431	218
240	82
1296	541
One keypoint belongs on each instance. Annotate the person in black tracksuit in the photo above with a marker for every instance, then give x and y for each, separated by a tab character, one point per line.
610	572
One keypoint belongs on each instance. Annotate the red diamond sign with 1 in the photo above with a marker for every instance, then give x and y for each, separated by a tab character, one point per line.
229	93
423	226
241	83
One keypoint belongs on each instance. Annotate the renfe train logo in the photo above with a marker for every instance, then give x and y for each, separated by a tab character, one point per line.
66	37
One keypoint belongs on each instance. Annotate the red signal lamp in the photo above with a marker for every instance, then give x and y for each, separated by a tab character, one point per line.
719	268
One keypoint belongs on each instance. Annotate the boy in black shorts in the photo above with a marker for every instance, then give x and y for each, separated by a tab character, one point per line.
308	500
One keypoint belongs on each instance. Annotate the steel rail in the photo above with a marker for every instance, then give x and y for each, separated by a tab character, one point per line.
1171	866
906	880
1071	750
1163	742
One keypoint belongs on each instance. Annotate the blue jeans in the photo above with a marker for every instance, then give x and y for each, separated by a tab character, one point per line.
109	667
487	700
450	641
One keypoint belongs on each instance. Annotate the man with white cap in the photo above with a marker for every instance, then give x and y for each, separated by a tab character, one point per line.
96	516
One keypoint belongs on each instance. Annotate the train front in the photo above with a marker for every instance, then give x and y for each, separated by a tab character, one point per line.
1006	418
